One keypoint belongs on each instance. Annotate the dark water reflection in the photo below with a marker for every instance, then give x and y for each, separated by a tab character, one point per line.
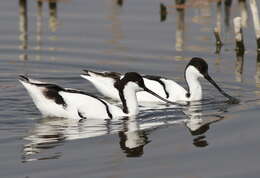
55	40
257	76
49	133
23	28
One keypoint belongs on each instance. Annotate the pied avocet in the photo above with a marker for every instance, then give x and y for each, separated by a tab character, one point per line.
166	88
55	101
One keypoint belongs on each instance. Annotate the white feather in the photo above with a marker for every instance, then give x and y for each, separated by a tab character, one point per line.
192	77
88	106
104	85
78	105
46	106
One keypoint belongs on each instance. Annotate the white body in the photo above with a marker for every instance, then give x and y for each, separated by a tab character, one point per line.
105	85
87	106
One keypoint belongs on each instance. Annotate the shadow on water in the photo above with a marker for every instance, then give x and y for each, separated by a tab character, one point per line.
48	134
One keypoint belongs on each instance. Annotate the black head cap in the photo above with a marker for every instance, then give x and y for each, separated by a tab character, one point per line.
200	64
130	77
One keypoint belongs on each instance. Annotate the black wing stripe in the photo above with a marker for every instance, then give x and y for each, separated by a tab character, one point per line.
52	92
88	94
158	79
81	116
113	75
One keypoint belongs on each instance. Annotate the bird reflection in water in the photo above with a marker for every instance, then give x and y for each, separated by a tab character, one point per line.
196	118
198	126
43	137
50	133
198	129
132	139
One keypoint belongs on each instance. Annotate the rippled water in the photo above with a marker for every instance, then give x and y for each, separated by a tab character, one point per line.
55	41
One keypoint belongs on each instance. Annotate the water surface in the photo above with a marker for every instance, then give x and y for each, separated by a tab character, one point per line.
55	41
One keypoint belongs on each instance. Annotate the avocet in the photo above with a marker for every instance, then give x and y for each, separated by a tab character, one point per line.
164	87
55	101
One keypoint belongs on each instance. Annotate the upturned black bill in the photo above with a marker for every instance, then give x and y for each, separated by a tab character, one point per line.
161	98
232	100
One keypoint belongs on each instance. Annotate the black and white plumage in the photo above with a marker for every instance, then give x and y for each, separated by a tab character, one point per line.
166	88
53	100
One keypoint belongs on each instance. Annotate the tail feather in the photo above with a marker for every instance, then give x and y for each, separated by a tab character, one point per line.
114	75
24	78
86	72
89	72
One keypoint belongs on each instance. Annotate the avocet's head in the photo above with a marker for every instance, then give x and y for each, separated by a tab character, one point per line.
198	67
132	80
135	82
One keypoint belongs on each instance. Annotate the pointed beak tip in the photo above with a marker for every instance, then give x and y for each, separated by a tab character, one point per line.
156	95
233	101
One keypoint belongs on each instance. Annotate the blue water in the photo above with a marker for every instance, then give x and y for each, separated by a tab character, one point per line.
56	45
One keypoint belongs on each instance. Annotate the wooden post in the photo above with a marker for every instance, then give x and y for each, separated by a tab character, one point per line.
23	23
39	28
219	43
257	75
243	12
53	16
239	66
254	11
120	2
228	4
180	26
240	48
163	12
39	24
217	29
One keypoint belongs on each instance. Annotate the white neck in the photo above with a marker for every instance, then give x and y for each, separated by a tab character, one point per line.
130	100
192	78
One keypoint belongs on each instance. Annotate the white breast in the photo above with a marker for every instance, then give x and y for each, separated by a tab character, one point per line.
88	106
46	106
